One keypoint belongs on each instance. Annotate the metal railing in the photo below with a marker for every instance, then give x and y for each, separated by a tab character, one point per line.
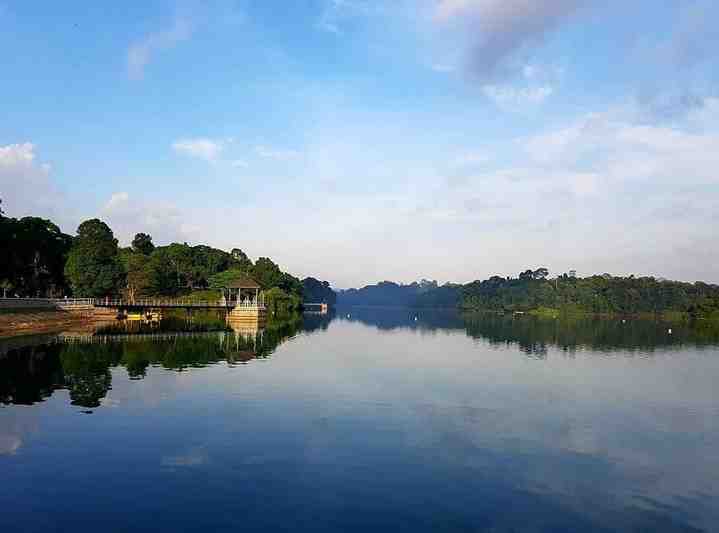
158	303
74	303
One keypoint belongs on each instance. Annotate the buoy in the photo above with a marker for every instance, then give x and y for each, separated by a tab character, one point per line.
415	319
348	316
669	331
624	321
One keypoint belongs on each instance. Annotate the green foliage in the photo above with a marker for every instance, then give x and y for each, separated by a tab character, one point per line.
42	261
206	295
267	273
444	297
596	294
142	244
93	267
315	291
280	303
221	280
389	294
194	266
34	254
243	262
138	275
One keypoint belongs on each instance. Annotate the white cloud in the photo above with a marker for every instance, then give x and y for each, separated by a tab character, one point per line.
471	159
516	97
337	13
140	53
9	444
273	153
163	220
239	163
202	148
26	186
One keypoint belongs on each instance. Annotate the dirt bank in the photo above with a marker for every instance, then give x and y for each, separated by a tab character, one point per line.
25	322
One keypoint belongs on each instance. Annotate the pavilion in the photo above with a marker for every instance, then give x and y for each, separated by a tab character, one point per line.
242	291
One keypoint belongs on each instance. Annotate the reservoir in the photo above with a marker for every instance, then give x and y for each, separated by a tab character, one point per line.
363	420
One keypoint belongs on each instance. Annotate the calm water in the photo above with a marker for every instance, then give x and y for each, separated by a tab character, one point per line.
372	422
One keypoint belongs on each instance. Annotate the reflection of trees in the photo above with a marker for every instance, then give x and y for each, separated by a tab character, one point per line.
82	365
30	374
87	372
389	318
318	322
534	335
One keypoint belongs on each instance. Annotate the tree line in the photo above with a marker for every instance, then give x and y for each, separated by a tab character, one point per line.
534	291
44	262
598	294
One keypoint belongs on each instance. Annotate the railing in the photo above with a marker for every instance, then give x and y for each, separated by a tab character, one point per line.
77	303
169	302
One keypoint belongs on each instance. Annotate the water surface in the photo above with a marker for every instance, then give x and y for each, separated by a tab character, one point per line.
373	420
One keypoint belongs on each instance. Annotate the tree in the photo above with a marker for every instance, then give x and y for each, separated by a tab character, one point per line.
267	273
142	244
540	273
93	267
34	256
316	291
527	274
139	276
221	280
242	261
162	276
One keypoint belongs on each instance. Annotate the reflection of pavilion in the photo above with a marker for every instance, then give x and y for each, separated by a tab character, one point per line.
243	342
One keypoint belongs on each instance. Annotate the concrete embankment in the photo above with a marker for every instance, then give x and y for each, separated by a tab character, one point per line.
28	321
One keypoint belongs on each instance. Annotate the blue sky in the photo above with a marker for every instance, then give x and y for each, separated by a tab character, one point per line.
361	140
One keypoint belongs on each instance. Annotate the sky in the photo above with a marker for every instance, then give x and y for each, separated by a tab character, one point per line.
366	140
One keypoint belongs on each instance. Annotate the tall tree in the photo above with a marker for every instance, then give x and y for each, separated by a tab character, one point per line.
142	244
34	258
93	267
242	261
138	276
267	273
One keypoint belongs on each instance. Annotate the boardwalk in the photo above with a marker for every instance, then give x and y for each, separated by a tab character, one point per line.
172	303
69	304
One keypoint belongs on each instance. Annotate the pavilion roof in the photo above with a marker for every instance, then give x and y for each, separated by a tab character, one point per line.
242	281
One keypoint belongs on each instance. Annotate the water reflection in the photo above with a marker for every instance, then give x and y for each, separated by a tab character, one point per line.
32	368
370	420
535	335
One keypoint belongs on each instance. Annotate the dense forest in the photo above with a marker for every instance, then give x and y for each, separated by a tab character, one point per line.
600	294
316	291
34	252
41	261
387	293
534	291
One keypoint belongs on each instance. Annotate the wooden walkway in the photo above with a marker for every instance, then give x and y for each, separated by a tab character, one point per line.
171	303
